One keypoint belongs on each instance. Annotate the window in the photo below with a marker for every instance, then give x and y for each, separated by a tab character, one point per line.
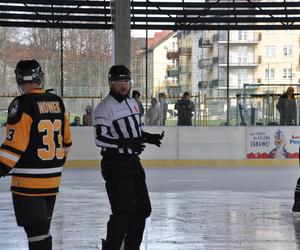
270	51
287	73
243	35
242	77
269	73
288	50
174	46
242	54
174	63
174	80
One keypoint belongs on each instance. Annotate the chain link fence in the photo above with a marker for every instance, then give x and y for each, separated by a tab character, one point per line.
75	64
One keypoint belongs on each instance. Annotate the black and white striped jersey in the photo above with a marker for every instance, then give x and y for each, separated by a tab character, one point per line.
114	120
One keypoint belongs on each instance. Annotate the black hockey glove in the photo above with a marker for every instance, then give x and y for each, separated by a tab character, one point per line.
2	172
136	144
153	138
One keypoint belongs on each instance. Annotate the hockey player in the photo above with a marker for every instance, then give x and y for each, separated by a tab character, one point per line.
118	132
38	139
296	206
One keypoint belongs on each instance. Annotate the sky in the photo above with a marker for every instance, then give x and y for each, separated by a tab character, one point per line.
142	33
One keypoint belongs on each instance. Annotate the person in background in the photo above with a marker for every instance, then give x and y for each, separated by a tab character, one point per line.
185	108
136	96
153	113
87	118
163	109
76	121
286	107
37	142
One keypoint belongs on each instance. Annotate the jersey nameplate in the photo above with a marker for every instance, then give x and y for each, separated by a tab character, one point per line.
49	107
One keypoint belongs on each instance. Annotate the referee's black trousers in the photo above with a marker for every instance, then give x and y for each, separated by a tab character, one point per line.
129	199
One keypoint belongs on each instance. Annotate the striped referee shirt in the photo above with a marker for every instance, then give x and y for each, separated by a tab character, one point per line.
116	118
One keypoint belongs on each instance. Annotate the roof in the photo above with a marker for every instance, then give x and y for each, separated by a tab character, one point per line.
149	14
159	37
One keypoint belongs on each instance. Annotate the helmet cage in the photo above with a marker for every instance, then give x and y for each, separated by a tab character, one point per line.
116	78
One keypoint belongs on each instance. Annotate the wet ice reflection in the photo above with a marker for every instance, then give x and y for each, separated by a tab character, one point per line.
205	209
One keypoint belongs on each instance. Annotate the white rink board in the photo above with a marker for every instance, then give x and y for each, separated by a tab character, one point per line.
180	143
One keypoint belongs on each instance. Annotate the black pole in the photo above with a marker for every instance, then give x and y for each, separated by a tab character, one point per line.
146	67
61	63
227	95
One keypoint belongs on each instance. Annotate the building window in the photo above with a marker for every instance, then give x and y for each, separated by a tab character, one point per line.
288	50
269	73
173	46
242	77
287	73
242	54
243	35
174	80
174	63
270	51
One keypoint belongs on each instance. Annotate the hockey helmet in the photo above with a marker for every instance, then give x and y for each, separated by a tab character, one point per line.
117	73
29	71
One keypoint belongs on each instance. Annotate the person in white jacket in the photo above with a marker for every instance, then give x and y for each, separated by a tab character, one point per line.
163	109
153	113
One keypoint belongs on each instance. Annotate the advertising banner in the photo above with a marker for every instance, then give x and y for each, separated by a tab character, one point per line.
273	142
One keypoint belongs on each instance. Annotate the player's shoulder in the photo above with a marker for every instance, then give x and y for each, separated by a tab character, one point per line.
21	104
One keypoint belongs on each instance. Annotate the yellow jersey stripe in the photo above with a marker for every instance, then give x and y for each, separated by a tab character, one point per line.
35	183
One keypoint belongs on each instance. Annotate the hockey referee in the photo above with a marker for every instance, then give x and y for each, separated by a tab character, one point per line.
118	132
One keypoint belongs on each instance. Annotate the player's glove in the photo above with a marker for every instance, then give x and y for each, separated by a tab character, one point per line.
2	172
135	144
153	138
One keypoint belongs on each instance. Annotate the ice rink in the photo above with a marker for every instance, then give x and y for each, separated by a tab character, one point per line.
216	208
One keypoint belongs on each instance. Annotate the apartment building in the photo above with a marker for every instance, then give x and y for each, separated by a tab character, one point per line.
258	60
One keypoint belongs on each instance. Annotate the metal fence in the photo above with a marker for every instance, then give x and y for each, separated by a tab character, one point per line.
247	110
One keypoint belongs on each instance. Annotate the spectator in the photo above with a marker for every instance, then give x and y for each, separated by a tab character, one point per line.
136	95
163	109
153	113
286	106
76	121
185	108
87	118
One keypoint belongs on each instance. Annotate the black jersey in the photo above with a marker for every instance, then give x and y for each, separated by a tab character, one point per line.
37	142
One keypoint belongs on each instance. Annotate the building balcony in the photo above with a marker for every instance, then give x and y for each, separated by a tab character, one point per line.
252	39
205	43
172	55
215	37
244	62
185	51
215	60
185	70
204	63
232	85
172	71
214	83
203	84
170	83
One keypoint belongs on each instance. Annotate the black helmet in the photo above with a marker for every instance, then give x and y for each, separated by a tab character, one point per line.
29	71
118	72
